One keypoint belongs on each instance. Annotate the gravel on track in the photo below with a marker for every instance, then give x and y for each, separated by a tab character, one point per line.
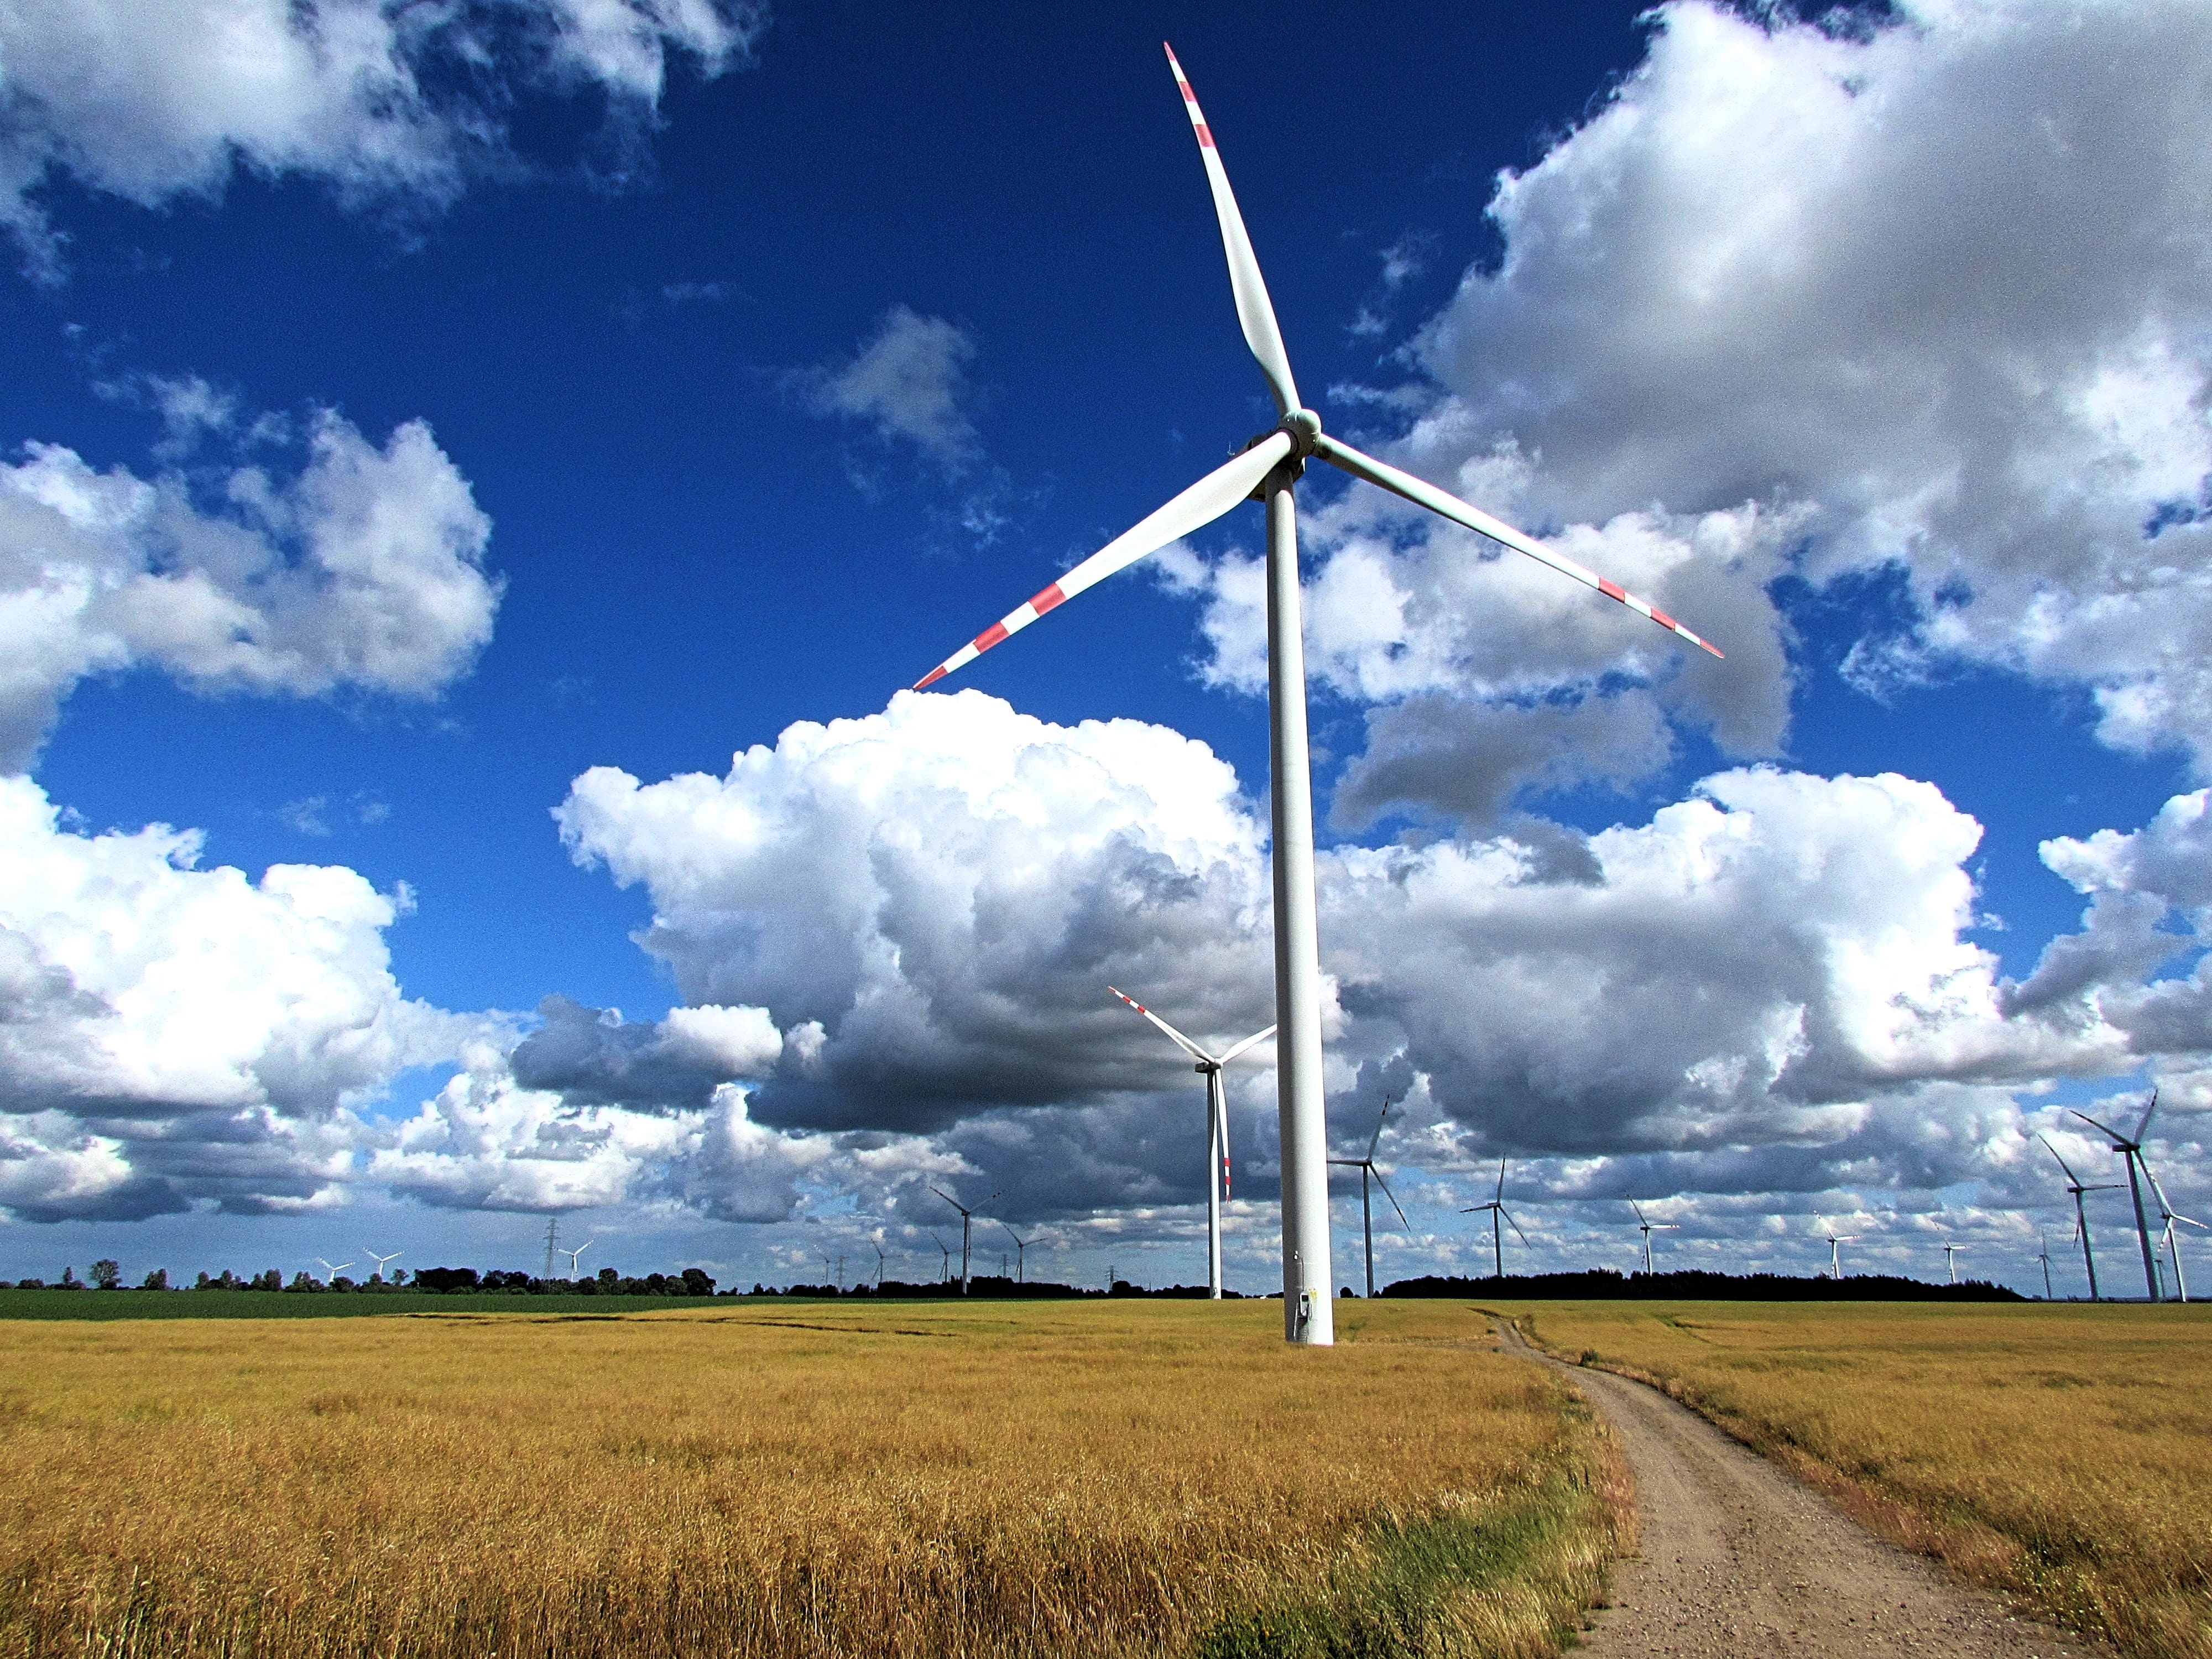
1737	1559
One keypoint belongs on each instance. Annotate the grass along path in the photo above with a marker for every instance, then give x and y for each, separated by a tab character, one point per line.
1041	1480
2061	1452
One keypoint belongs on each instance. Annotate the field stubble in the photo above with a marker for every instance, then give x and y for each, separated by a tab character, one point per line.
2062	1452
939	1480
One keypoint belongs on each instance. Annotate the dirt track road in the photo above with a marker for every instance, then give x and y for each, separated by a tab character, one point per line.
1737	1559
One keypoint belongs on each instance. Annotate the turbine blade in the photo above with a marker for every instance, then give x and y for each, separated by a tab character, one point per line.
1387	1194
2117	1141
1499	1195
1516	1225
1174	1036
1256	1038
2148	1110
1253	309
1638	1208
2063	1164
1196	507
1423	494
1375	1140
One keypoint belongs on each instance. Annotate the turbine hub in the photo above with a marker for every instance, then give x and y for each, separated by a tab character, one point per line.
1303	426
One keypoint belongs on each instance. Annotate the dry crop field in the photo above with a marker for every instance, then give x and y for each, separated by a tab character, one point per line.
794	1479
2062	1452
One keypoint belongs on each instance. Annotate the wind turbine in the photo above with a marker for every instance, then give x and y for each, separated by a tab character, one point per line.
943	1246
1217	1128
1366	1168
879	1266
2081	1216
1836	1243
1951	1259
576	1257
1650	1228
2044	1256
2130	1151
2169	1215
1021	1253
334	1272
1497	1208
381	1259
967	1218
1268	468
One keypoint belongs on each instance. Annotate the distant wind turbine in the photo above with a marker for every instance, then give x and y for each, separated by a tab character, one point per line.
943	1246
334	1272
1268	468
1217	1127
1366	1168
2044	1256
1951	1259
1497	1208
2169	1215
381	1259
576	1257
966	1218
1650	1228
2074	1186
1021	1253
2130	1151
879	1266
1836	1243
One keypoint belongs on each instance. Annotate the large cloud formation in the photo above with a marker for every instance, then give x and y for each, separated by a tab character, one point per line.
171	1035
364	568
386	103
1771	985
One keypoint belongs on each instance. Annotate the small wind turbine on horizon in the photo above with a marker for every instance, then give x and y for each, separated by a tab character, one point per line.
1269	468
1497	1208
381	1259
334	1272
1217	1127
576	1257
2042	1254
1366	1168
943	1246
1650	1228
967	1220
1951	1259
1836	1243
2074	1186
879	1264
2130	1151
1021	1253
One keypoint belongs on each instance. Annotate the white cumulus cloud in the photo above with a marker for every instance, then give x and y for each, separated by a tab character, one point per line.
386	102
364	568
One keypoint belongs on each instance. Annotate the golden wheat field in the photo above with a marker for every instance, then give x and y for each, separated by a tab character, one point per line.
2061	1451
796	1478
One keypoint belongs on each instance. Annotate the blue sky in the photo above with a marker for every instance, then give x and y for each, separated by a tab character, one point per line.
429	466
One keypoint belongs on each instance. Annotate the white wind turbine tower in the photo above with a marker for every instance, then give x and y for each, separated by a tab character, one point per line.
1021	1253
334	1272
1268	468
967	1220
943	1246
576	1257
381	1260
2130	1151
2044	1256
1366	1168
1836	1243
2075	1189
1497	1208
1951	1259
1649	1228
2169	1215
1217	1127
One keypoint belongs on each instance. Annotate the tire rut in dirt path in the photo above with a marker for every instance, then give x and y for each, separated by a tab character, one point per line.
1738	1560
